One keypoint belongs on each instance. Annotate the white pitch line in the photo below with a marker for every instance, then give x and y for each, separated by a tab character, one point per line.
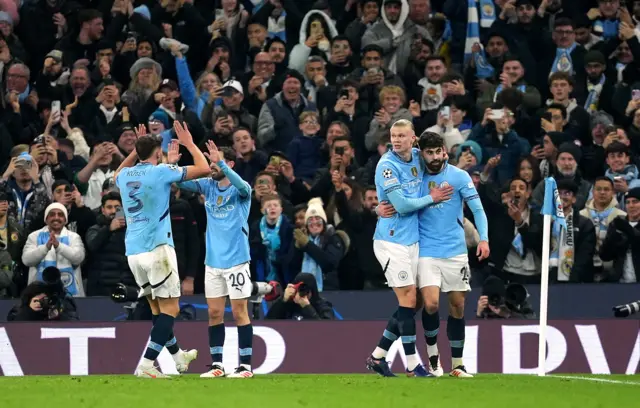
602	380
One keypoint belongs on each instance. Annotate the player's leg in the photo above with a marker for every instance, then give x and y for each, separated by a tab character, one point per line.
240	287
430	280
215	291
455	282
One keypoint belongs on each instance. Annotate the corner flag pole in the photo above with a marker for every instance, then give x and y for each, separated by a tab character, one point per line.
544	295
552	210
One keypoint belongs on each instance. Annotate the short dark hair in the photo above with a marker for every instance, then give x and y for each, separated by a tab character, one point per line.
370	48
459	101
518	178
146	145
617	147
430	140
340	37
563	21
300	207
246	129
86	15
270	197
348	83
561	76
603	178
369	187
342	139
67	143
436	58
559	107
111	196
228	154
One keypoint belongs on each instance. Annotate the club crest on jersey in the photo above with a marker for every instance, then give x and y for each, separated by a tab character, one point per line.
444	184
432	184
414	171
387	173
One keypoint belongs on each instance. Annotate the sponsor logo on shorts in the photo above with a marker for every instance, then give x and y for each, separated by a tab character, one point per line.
403	276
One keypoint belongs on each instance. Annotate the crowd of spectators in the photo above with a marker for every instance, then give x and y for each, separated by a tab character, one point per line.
304	93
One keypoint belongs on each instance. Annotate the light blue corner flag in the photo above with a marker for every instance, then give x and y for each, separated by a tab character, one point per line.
552	205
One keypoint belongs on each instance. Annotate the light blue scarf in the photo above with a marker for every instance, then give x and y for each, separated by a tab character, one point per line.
500	88
563	61
591	105
271	240
629	174
608	28
473	30
487	13
600	220
484	70
309	265
67	273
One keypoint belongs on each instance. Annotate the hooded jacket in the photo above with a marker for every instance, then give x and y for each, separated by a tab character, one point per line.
395	40
318	308
301	52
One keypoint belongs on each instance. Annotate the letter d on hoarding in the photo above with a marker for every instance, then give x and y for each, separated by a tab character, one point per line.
512	353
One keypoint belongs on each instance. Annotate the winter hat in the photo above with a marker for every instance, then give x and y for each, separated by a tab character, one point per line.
594	56
292	73
601	118
143	11
559	138
4	16
473	147
144	63
633	193
160	116
315	209
572	149
56	206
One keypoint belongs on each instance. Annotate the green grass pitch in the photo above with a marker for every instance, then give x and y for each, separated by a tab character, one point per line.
327	391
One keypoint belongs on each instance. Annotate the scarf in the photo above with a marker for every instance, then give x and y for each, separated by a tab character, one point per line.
271	240
276	27
22	203
545	168
487	13
431	95
473	30
484	70
521	88
607	28
629	174
562	248
591	105
563	61
309	265
600	223
517	243
67	271
397	30
619	70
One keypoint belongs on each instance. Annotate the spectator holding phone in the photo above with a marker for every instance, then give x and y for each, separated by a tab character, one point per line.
301	301
105	245
79	217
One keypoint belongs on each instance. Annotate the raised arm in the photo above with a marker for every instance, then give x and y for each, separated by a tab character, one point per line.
200	167
215	157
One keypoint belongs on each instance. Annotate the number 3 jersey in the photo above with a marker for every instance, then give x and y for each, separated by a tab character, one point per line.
227	226
145	190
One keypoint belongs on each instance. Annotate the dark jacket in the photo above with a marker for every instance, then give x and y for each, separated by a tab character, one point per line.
108	266
185	237
621	237
327	255
36	198
13	273
248	170
584	187
304	153
259	258
278	122
318	309
66	306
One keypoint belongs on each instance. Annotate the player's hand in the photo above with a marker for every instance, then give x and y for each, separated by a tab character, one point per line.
187	287
300	237
385	210
482	304
440	194
289	292
173	152
301	301
483	250
183	134
214	154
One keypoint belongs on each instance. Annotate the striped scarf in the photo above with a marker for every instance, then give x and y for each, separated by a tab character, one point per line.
591	105
563	61
53	258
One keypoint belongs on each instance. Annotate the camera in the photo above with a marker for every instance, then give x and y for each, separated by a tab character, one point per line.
123	293
302	289
513	296
55	291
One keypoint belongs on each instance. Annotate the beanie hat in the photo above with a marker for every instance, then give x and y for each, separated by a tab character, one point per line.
473	147
143	63
143	11
56	206
633	193
160	116
314	209
572	149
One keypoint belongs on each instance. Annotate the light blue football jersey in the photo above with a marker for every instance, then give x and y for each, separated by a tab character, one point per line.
227	220
393	173
145	190
441	225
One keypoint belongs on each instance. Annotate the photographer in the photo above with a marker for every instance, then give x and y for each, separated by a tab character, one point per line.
45	301
301	301
500	302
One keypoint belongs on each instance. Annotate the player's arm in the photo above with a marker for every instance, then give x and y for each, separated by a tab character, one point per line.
387	177
471	197
200	166
243	187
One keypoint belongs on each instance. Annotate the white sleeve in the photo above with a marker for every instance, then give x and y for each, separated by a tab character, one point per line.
33	254
75	252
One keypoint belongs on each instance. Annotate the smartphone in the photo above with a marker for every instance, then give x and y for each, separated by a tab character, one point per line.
496	114
344	93
55	107
119	212
339	150
40	140
275	161
373	71
635	94
618	178
445	111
